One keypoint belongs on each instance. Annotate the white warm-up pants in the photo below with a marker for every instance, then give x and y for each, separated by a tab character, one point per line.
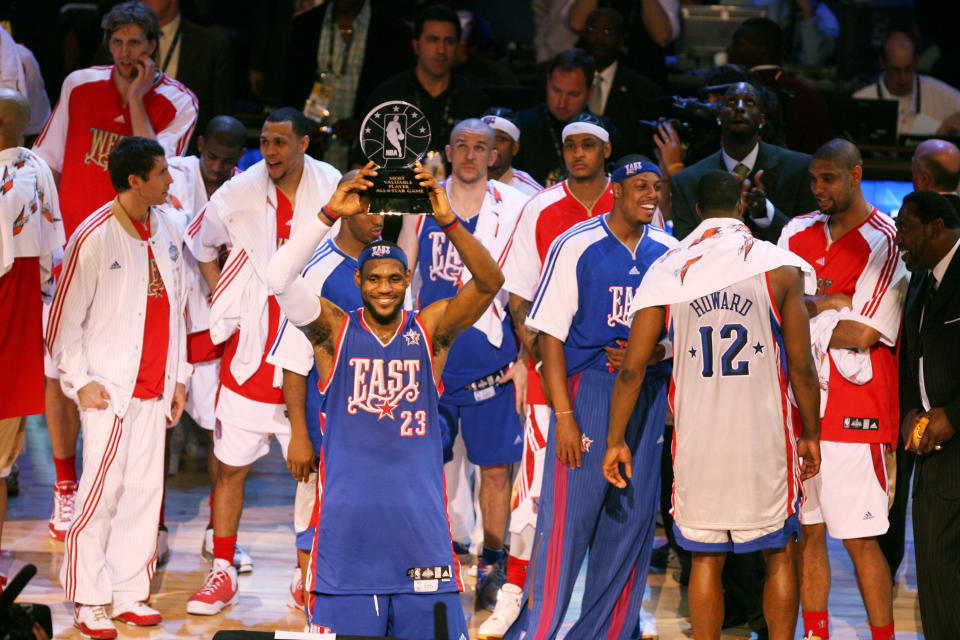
110	550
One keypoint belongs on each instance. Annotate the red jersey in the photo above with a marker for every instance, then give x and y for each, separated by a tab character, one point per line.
87	123
156	327
260	385
544	217
864	264
21	342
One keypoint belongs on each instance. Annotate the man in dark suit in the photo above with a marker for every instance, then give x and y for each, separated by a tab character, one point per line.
928	234
935	167
775	180
619	92
199	58
444	95
342	17
569	86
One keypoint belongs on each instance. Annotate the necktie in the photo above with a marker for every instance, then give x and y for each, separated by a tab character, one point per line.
596	99
741	171
929	292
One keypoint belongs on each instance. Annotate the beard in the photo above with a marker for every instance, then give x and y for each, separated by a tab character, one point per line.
381	318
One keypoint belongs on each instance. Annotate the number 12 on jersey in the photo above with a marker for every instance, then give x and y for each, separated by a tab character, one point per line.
733	337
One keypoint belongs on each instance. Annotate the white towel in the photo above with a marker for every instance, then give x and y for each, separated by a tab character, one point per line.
11	69
498	216
246	205
30	223
733	255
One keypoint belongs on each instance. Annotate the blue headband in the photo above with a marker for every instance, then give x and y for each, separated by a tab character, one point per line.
379	252
632	169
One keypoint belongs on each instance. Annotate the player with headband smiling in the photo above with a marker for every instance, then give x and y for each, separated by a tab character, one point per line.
580	312
380	368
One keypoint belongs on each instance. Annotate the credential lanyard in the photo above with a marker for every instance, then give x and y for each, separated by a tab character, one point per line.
173	46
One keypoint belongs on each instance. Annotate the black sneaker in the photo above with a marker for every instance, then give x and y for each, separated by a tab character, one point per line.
13	481
660	557
490	577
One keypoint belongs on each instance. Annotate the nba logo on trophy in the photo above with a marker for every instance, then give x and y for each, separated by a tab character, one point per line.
395	133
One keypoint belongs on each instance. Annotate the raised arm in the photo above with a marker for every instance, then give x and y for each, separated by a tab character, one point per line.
445	319
316	317
787	286
645	330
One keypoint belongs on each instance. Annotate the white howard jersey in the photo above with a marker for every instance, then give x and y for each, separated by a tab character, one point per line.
735	460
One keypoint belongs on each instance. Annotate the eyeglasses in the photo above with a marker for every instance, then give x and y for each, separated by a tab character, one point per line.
607	31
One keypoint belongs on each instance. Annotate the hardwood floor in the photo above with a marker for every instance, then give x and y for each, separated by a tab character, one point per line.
266	533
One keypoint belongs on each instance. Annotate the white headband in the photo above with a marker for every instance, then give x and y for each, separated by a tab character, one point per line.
585	127
502	124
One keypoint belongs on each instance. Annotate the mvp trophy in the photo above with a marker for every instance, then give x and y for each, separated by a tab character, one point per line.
394	136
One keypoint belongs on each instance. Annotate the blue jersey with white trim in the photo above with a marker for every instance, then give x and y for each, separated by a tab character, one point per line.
382	522
471	355
586	287
330	274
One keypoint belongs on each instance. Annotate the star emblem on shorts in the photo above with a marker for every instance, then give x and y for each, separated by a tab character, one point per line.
386	411
585	443
693	352
757	348
412	337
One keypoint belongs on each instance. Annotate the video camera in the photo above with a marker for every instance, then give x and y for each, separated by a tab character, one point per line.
695	122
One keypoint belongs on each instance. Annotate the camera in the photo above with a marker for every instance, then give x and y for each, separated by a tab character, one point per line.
694	121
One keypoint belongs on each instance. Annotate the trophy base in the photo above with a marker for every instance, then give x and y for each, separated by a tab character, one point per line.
396	191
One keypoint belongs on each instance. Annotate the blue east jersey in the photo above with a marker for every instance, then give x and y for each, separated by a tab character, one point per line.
382	507
471	355
330	274
587	318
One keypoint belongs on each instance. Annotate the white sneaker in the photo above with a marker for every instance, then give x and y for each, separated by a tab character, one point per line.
219	591
93	621
295	595
163	548
241	559
504	614
64	499
648	626
136	613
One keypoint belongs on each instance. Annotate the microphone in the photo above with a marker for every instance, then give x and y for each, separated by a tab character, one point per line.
14	588
439	621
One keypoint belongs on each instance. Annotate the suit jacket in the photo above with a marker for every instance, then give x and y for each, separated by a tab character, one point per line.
626	103
785	180
954	200
939	342
206	67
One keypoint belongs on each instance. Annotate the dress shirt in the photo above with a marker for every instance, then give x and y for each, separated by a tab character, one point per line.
602	82
167	33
